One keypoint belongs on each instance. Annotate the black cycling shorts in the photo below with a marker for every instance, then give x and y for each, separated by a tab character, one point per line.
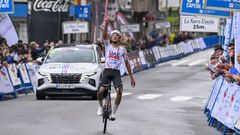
112	75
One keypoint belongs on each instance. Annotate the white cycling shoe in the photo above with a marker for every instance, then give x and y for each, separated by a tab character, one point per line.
100	111
112	116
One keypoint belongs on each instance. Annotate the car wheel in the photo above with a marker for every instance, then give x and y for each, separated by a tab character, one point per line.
40	95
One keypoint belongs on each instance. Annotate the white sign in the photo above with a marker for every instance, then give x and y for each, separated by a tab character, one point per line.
130	28
199	24
50	6
161	25
73	27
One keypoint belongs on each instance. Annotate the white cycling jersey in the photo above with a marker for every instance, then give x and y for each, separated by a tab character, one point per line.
114	55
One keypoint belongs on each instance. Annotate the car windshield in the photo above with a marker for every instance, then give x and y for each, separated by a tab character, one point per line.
71	55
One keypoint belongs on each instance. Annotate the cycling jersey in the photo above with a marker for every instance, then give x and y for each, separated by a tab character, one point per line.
114	55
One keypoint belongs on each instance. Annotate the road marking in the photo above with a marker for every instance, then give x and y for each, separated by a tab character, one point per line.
180	98
124	94
181	62
23	94
149	96
197	62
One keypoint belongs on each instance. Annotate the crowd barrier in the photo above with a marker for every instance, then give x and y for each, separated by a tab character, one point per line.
21	77
223	106
15	79
148	58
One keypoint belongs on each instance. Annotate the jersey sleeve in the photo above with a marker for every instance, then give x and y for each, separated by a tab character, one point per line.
106	43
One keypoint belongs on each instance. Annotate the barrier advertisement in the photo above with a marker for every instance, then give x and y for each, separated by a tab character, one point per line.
234	112
12	69
217	106
5	83
225	104
24	73
214	93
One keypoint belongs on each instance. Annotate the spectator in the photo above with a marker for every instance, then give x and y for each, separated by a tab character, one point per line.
21	49
35	50
218	50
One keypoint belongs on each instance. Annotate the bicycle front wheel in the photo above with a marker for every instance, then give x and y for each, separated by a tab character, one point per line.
105	124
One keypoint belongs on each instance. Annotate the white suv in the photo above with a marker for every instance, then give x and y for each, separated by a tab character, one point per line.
70	70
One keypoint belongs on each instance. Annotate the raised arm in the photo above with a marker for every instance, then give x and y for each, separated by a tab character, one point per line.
105	28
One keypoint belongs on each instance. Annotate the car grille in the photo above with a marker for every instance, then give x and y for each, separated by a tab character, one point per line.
66	78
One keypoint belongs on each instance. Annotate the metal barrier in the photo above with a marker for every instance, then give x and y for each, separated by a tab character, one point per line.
223	105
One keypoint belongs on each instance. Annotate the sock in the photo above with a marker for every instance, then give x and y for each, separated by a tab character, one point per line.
100	103
115	108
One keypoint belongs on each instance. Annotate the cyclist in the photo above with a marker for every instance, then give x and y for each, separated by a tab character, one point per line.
114	53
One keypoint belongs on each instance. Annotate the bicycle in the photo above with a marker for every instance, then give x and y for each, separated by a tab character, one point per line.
107	108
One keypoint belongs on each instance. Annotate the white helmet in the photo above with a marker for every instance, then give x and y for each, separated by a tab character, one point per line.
116	32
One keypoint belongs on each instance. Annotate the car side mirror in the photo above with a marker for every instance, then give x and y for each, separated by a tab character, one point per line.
40	60
102	60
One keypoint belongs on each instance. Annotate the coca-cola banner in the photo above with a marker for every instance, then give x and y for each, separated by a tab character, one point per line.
45	19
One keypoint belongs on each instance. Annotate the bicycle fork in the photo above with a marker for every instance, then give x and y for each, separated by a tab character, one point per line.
107	109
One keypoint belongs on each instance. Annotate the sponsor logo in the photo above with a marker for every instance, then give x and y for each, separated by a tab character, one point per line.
50	6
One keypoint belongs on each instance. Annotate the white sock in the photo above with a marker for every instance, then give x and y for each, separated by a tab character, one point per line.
100	103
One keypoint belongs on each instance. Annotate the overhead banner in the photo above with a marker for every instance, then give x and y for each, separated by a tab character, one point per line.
196	7
5	82
74	27
7	29
45	20
199	24
130	28
227	5
6	6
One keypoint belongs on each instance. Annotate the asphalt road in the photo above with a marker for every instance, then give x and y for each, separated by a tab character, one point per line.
168	99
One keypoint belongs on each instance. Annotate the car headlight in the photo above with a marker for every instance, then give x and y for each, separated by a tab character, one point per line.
46	76
85	75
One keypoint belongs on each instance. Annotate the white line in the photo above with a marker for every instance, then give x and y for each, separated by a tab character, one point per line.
149	96
181	62
180	98
115	94
197	62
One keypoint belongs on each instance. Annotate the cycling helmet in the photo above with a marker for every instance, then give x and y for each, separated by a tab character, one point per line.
116	32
